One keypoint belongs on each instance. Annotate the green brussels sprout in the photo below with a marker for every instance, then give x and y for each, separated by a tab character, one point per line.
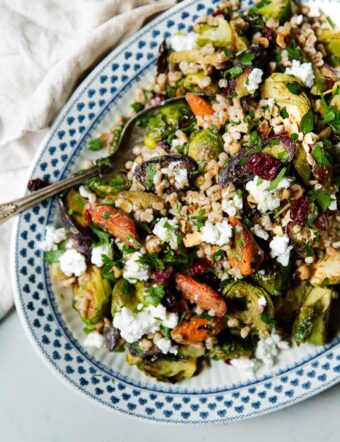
311	323
240	83
205	145
220	36
242	300
239	42
91	295
274	281
191	83
282	10
327	270
165	369
234	347
275	87
191	350
290	304
301	164
155	131
144	200
331	39
123	295
215	59
110	184
75	207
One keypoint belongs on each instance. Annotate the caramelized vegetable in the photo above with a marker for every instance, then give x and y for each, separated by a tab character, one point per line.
199	105
197	330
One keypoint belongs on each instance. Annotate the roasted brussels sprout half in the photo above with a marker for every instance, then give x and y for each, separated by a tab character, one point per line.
91	295
199	57
146	171
142	199
191	83
191	350
220	36
165	369
301	164
243	304
282	10
275	87
235	171
109	184
325	77
311	323
274	280
123	295
283	148
290	304
77	231
239	42
166	121
331	39
327	270
230	347
205	145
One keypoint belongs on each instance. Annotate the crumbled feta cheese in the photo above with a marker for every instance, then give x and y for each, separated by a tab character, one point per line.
231	206
85	192
98	251
302	71
258	231
133	326
254	79
135	270
177	142
299	19
270	102
262	302
223	82
333	205
217	234
267	349
265	199
72	263
94	339
182	42
280	249
244	365
166	347
166	230
53	237
176	173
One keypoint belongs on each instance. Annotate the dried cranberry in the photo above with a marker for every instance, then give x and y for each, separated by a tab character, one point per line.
299	210
267	32
171	302
87	216
323	174
159	98
230	88
263	165
201	265
164	145
321	222
36	184
220	12
227	361
161	276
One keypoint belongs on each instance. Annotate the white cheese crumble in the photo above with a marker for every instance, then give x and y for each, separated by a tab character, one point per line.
299	19
258	231
98	251
262	302
270	102
302	71
280	249
254	79
94	339
177	174
333	205
53	237
231	206
72	263
166	346
265	199
217	234
166	230
246	366
135	270
177	142
183	42
133	326
85	192
268	349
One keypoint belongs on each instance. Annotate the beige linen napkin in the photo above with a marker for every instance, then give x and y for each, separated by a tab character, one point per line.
45	48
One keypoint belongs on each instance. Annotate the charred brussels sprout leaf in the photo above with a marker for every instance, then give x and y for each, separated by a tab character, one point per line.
205	145
165	369
236	171
273	280
290	305
74	205
311	323
282	10
231	347
110	184
142	199
91	295
301	164
220	36
327	269
123	295
282	148
331	39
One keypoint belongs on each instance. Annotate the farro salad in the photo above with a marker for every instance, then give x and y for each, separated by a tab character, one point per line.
221	240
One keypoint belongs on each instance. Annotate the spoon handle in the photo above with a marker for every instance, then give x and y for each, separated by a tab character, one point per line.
12	208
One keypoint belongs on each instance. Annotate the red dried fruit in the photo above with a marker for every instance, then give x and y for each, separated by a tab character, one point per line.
299	210
36	184
323	174
263	165
201	265
267	32
220	12
321	222
87	216
161	276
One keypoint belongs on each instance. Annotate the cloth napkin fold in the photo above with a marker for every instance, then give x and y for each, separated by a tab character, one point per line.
46	46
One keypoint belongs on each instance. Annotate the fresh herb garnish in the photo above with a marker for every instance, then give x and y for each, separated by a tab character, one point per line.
307	124
294	88
155	294
284	113
331	22
245	58
107	268
53	255
253	139
294	53
152	260
294	136
274	183
104	237
277	214
95	144
137	106
234	71
150	172
322	198
308	249
217	256
199	219
321	156
148	94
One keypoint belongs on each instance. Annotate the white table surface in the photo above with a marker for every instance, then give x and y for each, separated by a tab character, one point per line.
35	406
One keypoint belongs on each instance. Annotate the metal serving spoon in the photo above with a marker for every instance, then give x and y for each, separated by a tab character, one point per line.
115	161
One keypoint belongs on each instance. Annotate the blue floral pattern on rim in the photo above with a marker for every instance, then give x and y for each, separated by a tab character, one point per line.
35	299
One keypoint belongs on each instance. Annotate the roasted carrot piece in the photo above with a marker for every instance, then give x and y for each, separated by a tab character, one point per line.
199	105
117	223
201	294
245	255
197	330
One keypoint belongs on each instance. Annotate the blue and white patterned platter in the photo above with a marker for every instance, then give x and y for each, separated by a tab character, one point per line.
220	393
